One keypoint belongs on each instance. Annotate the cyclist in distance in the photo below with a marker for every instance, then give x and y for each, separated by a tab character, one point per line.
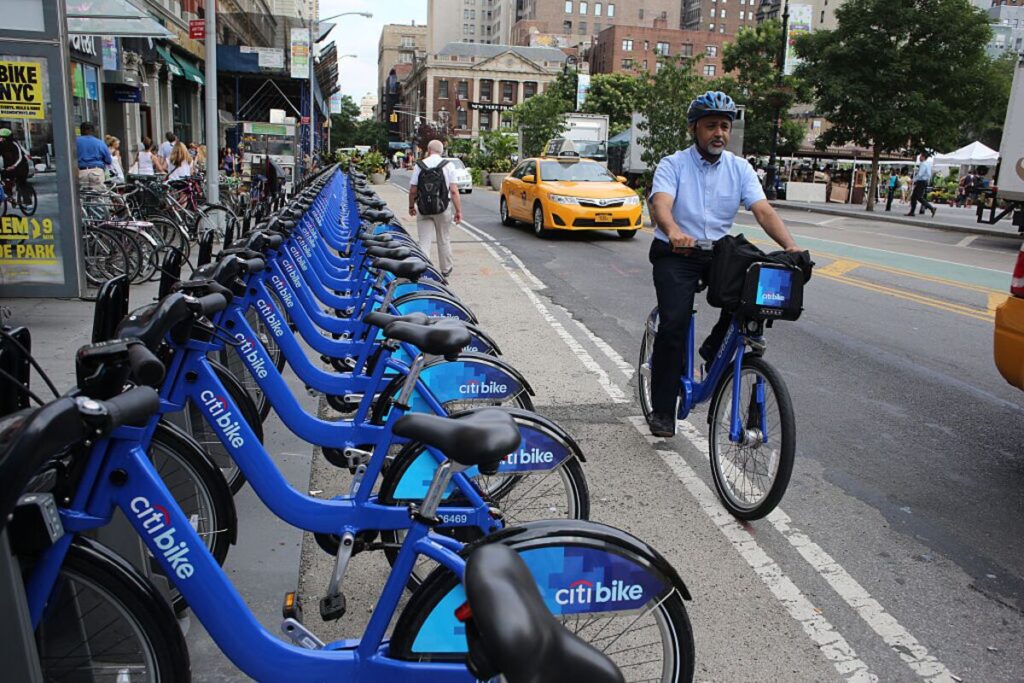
15	160
695	195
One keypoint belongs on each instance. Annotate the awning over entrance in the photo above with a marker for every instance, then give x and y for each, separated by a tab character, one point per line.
118	18
191	70
170	61
181	67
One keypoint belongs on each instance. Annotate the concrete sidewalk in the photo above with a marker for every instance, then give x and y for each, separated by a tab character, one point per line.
948	218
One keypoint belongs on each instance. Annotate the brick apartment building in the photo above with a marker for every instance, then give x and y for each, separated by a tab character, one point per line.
719	16
566	23
630	49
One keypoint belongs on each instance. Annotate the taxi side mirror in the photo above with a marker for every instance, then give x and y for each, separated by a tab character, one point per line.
529	178
620	179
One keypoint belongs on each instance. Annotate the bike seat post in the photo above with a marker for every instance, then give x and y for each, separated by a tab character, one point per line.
410	381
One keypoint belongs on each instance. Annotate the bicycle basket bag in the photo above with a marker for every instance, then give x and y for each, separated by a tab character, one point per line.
732	256
772	291
432	196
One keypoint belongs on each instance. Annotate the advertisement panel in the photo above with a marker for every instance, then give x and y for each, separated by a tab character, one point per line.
21	90
300	52
582	89
799	24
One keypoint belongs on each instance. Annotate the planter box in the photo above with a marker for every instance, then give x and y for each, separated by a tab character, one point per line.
495	180
377	178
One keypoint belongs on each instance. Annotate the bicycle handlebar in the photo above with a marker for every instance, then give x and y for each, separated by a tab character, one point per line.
146	368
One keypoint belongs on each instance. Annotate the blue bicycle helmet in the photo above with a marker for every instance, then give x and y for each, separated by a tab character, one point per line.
710	103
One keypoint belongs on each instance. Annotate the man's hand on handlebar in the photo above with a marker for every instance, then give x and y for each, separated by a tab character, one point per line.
680	240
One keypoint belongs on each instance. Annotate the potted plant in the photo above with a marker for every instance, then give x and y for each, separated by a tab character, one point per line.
372	164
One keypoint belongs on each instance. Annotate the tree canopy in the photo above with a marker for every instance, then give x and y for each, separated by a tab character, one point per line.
617	95
666	98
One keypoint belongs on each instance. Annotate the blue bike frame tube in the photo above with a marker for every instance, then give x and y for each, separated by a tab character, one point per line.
736	426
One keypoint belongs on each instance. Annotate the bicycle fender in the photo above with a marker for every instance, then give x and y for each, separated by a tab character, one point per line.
434	304
579	567
471	376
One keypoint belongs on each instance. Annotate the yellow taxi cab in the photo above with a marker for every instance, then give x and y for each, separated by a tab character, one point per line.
566	192
1009	329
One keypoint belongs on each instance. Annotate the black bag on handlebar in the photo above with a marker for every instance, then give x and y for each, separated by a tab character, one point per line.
732	258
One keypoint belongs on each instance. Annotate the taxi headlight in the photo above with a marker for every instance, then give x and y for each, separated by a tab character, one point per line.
563	199
632	201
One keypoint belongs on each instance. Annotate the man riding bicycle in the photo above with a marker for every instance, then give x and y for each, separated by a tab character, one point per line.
695	195
15	160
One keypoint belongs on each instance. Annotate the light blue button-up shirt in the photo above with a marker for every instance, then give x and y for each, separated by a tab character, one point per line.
707	196
924	172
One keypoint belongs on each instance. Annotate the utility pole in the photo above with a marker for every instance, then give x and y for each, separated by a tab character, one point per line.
212	127
772	173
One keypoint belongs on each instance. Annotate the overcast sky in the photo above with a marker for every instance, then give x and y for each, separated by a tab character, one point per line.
359	36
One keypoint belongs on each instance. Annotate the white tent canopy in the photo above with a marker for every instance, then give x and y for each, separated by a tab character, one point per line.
974	154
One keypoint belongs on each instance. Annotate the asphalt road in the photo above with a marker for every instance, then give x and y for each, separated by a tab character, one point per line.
903	522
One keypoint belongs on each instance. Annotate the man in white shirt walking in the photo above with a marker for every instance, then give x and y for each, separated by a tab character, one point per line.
433	194
167	146
921	180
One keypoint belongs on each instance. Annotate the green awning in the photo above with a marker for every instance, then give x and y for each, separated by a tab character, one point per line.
170	61
191	70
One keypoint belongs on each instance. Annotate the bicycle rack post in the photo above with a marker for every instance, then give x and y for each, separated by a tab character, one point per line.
205	249
21	661
170	271
229	234
246	224
111	308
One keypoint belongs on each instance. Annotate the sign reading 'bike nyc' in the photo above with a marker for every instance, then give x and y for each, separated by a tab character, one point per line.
21	91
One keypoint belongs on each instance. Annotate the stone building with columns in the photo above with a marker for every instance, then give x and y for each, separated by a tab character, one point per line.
467	86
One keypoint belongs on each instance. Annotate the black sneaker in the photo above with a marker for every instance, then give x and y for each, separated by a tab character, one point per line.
662	424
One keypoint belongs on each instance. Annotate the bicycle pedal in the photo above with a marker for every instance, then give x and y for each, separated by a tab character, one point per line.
332	607
292	607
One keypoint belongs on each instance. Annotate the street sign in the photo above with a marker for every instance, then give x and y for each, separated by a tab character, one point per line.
197	29
305	121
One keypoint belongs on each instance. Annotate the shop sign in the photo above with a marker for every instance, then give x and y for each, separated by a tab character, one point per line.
487	106
86	49
268	57
21	90
257	128
125	94
110	54
300	53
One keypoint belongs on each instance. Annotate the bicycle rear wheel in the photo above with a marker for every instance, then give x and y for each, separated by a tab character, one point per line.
751	476
103	255
27	200
104	623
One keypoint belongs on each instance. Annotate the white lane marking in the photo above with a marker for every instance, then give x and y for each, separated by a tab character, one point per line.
830	642
610	387
610	353
829	221
966	241
881	622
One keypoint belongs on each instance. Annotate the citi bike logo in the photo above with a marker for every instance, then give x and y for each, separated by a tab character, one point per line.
157	523
272	320
585	592
292	274
298	257
247	348
217	408
477	388
773	296
534	456
282	291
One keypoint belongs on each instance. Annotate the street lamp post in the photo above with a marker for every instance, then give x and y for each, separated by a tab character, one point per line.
769	178
312	73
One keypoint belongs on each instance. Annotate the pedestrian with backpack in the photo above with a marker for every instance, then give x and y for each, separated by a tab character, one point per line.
432	195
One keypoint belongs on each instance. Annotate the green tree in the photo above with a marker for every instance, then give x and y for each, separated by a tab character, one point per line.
616	95
540	119
986	123
343	125
666	97
898	75
753	57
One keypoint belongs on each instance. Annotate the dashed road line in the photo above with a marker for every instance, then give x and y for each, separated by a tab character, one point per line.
966	241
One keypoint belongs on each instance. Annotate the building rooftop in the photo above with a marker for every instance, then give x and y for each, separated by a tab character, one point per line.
482	50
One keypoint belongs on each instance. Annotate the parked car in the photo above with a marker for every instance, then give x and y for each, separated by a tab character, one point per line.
463	178
569	193
1009	329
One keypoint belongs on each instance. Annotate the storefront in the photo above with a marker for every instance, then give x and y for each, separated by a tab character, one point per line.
86	88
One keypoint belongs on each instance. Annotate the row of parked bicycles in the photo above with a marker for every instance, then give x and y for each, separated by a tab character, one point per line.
479	503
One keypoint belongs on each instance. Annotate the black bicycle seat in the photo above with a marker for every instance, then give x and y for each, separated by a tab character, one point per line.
480	437
384	319
389	252
408	268
509	620
438	337
374	216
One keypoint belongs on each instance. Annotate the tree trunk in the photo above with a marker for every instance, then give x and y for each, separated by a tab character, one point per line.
873	178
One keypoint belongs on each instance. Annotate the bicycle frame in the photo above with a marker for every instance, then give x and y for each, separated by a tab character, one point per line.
120	476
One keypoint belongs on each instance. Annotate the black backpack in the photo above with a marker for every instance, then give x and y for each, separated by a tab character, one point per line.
432	196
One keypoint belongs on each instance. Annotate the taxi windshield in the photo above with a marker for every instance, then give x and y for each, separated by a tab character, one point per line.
574	171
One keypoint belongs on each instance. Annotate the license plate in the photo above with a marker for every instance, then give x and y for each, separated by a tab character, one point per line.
603	218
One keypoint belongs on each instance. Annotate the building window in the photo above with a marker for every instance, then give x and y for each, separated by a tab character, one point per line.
568	6
485	90
611	9
640	14
529	89
462	118
721	29
567	27
661	49
657	67
711	50
721	15
741	15
647	45
627	45
645	65
709	69
485	120
686	49
597	9
711	27
822	16
584	7
506	90
408	41
582	28
598	27
627	63
405	58
442	88
463	90
713	11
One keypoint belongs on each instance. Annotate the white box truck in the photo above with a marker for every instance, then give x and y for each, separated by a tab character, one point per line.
589	134
1010	177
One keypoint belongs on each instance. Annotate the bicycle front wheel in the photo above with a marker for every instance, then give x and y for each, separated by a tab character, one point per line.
101	624
643	372
751	475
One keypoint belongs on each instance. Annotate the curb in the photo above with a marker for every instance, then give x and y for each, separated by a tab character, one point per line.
970	230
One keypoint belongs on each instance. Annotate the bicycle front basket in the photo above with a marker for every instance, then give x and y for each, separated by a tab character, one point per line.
772	292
